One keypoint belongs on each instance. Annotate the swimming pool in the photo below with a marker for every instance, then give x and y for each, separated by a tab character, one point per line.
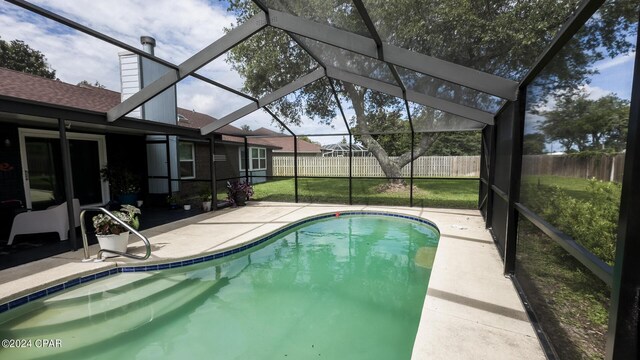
341	287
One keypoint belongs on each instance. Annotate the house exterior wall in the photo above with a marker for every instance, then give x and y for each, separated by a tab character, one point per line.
269	162
203	162
11	186
191	189
230	168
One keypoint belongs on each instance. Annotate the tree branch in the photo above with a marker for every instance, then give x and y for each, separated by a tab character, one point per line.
425	143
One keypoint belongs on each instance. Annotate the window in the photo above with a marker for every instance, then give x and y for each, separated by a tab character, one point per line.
186	151
242	159
257	159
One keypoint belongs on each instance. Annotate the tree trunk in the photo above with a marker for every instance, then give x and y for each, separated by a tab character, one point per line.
567	144
595	141
392	168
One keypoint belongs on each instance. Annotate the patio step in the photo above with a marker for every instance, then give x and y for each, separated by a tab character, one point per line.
121	315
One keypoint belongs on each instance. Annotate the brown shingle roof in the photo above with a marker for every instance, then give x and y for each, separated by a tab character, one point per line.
265	131
34	88
285	143
25	86
193	119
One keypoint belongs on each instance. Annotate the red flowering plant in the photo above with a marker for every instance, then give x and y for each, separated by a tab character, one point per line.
238	192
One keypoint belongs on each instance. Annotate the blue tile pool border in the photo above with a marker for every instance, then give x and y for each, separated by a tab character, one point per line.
176	264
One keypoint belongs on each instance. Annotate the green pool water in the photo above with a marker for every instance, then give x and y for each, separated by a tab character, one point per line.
350	287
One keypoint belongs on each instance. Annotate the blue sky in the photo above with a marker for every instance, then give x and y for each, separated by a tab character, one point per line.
614	75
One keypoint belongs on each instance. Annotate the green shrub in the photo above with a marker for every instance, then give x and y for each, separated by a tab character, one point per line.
592	222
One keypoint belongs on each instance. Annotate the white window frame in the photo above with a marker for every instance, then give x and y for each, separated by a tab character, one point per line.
251	158
23	133
193	159
240	161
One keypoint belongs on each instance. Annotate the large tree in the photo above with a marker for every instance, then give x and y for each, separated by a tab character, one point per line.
451	143
579	123
533	144
16	55
500	37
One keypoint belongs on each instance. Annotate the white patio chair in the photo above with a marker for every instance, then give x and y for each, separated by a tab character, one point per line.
53	219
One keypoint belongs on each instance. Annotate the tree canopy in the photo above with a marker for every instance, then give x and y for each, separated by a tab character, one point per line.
579	123
86	83
466	143
16	55
498	37
533	144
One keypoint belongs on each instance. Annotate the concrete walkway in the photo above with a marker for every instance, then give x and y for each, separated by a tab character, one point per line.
471	310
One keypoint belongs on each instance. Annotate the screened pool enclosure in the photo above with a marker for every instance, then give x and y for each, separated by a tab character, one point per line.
551	89
344	149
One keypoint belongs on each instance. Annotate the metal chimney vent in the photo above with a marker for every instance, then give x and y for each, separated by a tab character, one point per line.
148	44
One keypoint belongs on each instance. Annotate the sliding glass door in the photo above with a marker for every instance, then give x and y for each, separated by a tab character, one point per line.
43	171
43	176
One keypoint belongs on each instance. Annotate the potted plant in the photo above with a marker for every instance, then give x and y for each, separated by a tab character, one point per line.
124	184
205	197
112	235
238	192
173	201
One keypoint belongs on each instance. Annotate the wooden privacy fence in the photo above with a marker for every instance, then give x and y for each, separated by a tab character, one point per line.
424	166
602	167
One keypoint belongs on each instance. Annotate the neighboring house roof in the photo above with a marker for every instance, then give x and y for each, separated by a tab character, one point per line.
193	119
265	131
25	86
285	143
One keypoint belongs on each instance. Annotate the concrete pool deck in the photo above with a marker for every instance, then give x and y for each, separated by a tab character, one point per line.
471	310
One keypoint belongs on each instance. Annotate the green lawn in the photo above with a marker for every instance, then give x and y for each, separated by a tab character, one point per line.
461	194
428	193
570	302
574	187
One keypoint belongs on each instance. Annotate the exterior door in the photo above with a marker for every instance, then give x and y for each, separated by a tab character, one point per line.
85	164
43	178
43	171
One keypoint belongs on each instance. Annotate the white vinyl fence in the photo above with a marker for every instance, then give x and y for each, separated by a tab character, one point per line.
424	166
